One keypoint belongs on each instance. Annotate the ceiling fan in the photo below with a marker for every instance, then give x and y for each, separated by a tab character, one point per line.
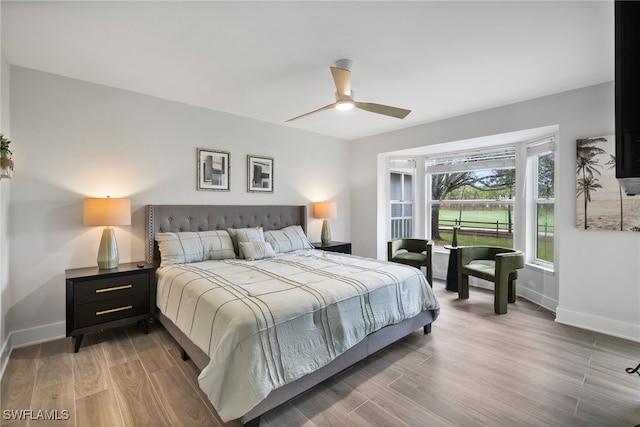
341	73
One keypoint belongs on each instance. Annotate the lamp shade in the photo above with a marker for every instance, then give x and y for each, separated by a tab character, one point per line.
325	210
107	212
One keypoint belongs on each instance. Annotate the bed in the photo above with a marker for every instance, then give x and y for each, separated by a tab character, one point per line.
249	366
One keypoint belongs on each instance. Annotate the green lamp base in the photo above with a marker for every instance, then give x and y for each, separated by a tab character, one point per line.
325	235
108	257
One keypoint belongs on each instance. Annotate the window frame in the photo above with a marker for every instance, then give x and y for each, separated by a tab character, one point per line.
535	150
410	171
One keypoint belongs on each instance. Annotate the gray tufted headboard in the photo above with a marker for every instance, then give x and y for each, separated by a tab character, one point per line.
176	218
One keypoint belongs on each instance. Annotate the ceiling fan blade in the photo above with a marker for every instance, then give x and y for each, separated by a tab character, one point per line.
399	113
342	79
326	107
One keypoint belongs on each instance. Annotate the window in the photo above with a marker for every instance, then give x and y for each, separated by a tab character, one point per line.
474	191
401	198
542	160
500	194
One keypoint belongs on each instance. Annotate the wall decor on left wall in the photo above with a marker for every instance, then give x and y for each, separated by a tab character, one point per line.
6	161
213	170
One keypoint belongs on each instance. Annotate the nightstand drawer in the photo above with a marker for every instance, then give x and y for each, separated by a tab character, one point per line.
108	310
114	287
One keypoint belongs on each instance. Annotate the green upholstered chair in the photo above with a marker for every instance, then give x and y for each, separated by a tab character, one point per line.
495	264
415	252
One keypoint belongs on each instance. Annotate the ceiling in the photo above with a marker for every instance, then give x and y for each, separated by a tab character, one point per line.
270	60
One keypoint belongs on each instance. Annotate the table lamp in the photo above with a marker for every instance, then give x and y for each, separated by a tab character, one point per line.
325	210
107	212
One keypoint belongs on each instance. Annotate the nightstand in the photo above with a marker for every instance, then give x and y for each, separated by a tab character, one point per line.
342	247
99	299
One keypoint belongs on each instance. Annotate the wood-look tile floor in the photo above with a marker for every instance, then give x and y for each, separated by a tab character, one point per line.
474	369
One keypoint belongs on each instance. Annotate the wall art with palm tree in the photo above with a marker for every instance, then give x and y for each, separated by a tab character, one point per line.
600	201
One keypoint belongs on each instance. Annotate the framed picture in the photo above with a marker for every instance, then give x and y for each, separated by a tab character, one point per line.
259	174
601	203
213	170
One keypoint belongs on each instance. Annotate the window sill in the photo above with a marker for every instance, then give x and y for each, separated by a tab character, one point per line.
547	270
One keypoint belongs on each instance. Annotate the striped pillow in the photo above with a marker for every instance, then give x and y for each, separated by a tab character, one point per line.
287	239
239	235
194	246
256	250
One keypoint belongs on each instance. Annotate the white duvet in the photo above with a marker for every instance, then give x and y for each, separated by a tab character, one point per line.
269	322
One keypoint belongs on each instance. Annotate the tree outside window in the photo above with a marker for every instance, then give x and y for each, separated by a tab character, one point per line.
473	196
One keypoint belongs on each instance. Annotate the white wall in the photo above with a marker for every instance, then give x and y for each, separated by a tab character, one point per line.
4	216
597	278
77	140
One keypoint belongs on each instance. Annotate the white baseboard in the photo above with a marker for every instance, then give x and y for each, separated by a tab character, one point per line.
25	337
439	274
5	351
537	298
37	335
625	330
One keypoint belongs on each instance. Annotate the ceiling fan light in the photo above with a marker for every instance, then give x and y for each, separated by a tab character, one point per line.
344	105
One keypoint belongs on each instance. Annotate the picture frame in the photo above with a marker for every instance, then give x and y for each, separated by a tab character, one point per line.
214	170
259	174
601	203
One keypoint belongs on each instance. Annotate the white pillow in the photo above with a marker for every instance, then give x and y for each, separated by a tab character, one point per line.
256	250
287	239
238	235
194	246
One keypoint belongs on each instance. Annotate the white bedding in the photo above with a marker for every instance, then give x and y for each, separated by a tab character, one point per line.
269	322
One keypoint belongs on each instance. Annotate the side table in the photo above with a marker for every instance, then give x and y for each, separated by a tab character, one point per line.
343	247
452	269
99	299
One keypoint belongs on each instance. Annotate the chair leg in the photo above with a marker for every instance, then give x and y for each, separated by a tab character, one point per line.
463	286
500	298
512	291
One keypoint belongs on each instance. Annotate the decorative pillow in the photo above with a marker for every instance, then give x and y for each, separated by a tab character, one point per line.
256	250
194	246
245	235
217	244
287	239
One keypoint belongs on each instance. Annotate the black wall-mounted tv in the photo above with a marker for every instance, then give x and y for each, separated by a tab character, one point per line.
627	94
